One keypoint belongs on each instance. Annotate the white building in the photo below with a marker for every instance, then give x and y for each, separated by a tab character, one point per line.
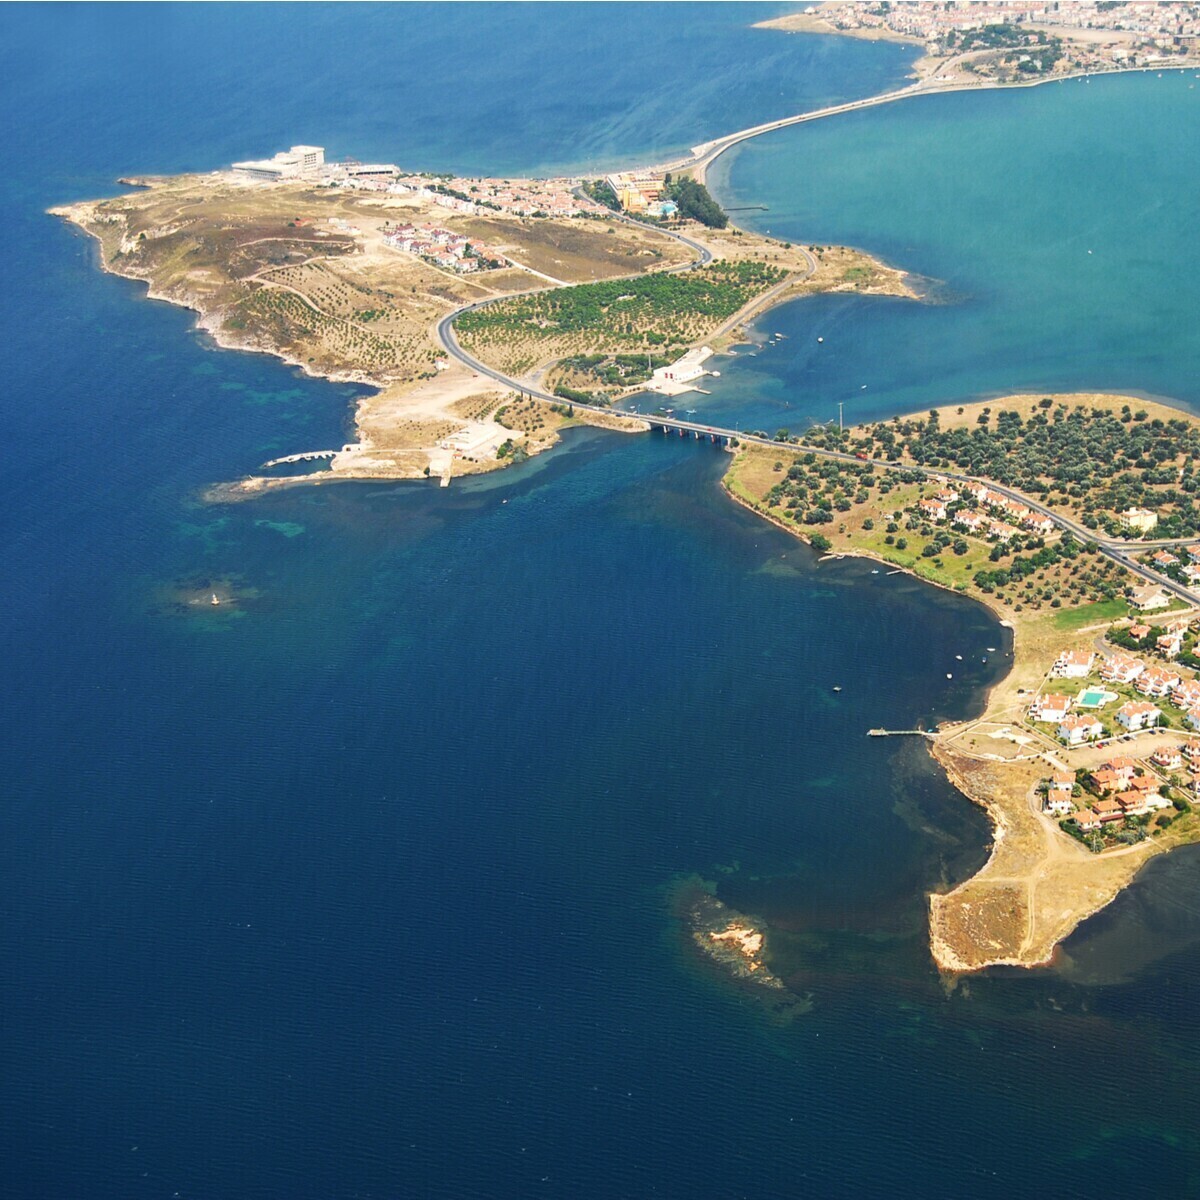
1146	599
1058	805
1073	664
300	162
1075	730
1138	714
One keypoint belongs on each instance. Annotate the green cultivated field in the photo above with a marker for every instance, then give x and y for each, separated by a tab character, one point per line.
666	312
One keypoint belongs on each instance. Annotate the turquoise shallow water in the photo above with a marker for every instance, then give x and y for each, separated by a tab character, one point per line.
1055	223
360	887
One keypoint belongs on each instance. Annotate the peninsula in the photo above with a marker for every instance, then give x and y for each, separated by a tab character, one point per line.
364	273
1086	756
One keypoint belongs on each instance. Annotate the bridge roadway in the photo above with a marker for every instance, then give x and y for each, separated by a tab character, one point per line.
1120	552
703	156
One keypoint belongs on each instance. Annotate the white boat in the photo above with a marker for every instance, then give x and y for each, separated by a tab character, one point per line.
214	600
948	675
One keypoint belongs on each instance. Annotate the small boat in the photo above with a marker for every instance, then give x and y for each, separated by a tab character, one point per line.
991	649
875	571
948	675
837	689
820	339
959	657
985	658
214	600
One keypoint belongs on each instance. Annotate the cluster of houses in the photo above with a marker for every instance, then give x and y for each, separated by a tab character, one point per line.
1123	789
443	248
1187	568
1075	726
527	198
988	523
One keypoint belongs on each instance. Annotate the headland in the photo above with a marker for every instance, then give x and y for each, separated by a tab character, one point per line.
1085	756
563	304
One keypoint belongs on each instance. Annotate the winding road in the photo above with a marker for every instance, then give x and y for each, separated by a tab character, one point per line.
1117	550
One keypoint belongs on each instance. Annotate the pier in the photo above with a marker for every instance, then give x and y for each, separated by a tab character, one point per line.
925	733
311	456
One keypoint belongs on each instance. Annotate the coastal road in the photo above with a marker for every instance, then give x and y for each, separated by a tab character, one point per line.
1119	551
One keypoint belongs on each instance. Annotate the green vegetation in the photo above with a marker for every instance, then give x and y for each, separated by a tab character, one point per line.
1034	52
862	508
579	397
602	193
659	310
1096	462
1070	619
615	370
695	201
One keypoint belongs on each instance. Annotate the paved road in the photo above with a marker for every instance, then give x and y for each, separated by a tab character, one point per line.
1119	551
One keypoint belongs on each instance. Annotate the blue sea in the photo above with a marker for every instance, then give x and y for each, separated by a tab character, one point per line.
365	885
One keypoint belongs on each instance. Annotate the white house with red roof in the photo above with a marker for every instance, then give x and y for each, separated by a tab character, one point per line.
1076	728
1138	714
1073	664
1157	682
1050	707
1121	668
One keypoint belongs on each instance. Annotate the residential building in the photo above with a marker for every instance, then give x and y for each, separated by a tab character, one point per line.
1139	520
1058	805
1157	682
932	509
1138	714
1169	645
1073	664
1121	668
1169	758
1050	707
1146	599
1133	804
1062	781
1075	729
1088	820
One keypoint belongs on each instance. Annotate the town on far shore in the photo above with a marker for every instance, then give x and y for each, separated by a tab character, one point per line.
1015	40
